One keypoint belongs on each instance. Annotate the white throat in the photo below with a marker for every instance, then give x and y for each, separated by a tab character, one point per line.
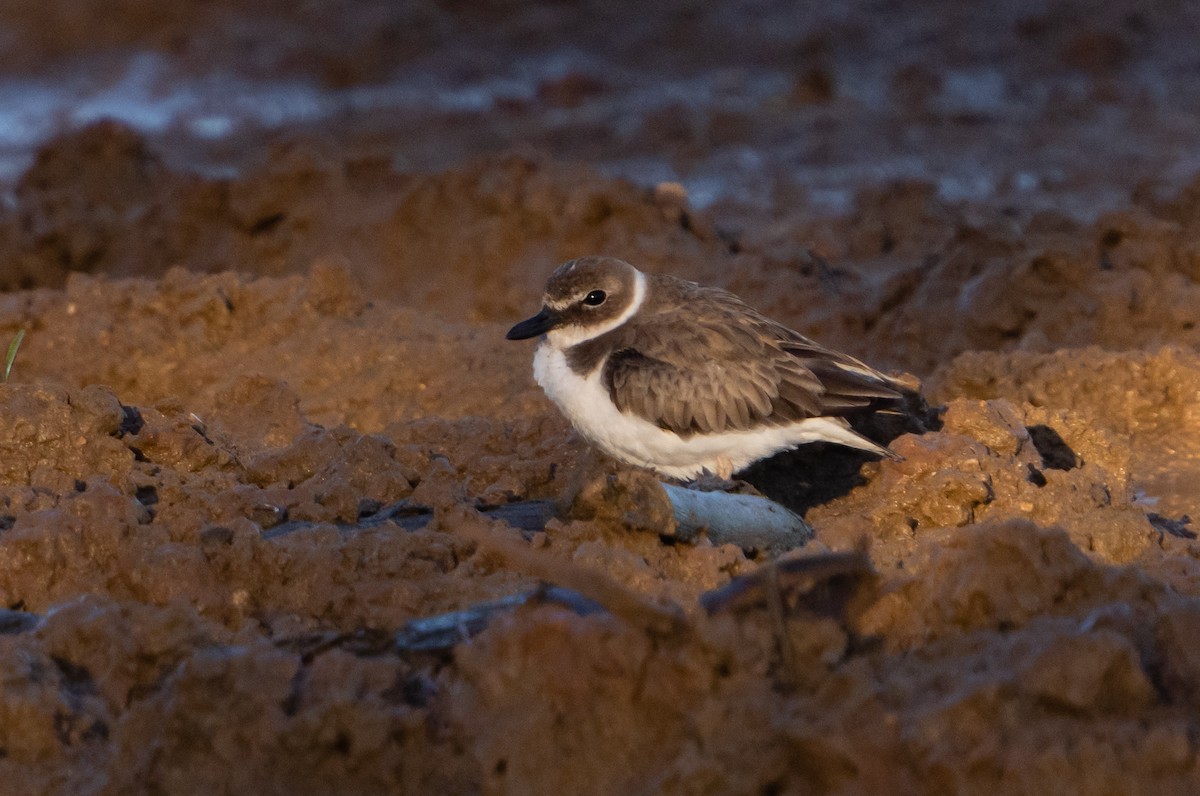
565	337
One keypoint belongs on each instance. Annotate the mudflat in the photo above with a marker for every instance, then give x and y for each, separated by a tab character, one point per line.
257	445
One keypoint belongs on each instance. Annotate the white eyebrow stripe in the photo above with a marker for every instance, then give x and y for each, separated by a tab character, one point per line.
639	296
567	336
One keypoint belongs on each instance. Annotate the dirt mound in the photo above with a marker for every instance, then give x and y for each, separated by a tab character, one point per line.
198	539
101	201
879	283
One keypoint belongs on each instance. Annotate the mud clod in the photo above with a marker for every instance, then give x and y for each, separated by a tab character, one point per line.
1056	454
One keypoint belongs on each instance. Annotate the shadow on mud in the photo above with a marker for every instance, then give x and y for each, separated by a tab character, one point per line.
820	472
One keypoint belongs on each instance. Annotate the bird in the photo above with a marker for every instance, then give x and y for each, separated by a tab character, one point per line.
688	380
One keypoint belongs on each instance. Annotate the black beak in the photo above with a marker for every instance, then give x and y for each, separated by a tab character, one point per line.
539	324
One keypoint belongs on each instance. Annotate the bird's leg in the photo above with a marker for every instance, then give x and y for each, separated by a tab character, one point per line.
724	468
720	481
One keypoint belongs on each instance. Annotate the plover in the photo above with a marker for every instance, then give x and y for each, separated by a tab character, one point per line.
682	379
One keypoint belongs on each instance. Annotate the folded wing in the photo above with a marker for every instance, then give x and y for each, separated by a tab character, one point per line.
730	369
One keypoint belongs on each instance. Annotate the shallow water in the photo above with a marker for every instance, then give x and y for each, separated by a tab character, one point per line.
982	133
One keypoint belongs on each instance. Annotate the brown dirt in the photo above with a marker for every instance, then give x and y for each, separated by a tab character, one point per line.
225	378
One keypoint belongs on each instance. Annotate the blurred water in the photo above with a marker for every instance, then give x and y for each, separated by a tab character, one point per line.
977	142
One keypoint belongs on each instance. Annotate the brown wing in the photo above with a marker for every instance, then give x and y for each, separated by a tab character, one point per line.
730	368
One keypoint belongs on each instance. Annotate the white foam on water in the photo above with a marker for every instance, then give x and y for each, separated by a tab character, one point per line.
152	95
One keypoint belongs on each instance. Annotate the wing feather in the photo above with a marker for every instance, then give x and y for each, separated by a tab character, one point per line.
734	369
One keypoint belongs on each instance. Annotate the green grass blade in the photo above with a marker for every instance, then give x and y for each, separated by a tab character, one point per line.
12	353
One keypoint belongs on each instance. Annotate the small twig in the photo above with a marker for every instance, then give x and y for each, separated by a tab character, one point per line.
773	592
528	515
12	353
1175	527
446	630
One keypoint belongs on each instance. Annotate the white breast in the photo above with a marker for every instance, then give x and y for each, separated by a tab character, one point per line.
586	403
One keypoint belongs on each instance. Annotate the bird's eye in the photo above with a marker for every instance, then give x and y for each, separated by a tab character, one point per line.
595	298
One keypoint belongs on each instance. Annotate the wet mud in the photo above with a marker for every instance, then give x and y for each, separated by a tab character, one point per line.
263	439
